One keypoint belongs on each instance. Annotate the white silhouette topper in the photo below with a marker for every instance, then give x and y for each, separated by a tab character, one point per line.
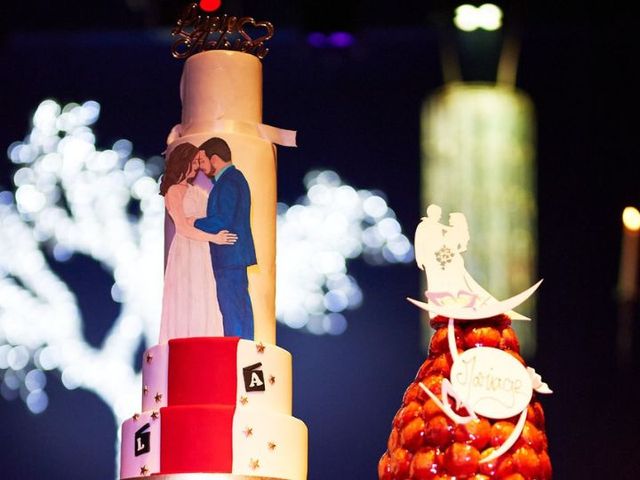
451	290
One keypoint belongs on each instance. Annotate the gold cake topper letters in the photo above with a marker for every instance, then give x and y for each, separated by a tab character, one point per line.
198	31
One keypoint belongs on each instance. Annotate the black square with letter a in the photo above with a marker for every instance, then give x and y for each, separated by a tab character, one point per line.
253	378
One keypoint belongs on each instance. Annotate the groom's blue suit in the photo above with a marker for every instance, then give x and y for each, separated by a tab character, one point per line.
228	208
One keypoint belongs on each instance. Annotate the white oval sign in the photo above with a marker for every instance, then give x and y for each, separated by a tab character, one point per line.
491	382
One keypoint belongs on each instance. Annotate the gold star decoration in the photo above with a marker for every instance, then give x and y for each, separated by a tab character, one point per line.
248	432
272	446
144	470
158	397
145	390
244	400
155	414
260	347
149	357
272	379
254	463
136	416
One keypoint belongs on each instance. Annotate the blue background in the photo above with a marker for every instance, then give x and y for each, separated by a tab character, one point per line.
357	111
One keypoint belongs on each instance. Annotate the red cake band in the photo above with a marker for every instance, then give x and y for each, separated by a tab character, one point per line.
202	371
197	439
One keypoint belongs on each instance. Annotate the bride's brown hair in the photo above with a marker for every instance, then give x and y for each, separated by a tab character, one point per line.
177	165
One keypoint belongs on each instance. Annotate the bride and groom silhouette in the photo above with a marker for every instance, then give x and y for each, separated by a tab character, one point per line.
206	290
439	249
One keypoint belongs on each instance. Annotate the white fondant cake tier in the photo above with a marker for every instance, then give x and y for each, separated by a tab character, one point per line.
266	386
221	94
204	476
220	84
261	443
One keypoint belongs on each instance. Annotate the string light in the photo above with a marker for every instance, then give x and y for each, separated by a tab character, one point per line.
332	224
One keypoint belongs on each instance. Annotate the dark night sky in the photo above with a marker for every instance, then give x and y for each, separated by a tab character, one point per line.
357	110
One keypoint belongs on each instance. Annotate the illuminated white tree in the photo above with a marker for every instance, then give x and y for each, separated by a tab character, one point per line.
71	198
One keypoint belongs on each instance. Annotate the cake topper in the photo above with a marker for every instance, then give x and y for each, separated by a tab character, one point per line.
199	31
452	291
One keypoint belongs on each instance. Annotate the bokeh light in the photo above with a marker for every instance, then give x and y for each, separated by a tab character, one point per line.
331	40
631	219
469	17
332	224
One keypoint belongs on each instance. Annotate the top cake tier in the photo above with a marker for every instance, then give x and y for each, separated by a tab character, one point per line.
222	128
220	84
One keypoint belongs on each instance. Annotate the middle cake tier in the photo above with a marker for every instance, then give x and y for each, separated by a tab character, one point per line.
217	371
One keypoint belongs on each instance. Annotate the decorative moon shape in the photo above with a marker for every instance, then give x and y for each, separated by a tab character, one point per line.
491	382
476	313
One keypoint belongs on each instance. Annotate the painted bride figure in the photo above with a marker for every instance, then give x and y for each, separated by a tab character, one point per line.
189	303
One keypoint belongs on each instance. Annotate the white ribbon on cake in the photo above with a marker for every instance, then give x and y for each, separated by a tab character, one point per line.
279	136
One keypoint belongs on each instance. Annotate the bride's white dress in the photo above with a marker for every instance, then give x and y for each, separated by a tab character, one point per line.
189	302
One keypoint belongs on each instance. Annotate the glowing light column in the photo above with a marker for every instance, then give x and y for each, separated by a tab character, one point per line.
478	158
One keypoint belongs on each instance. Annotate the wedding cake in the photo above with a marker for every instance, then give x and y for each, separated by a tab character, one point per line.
216	390
473	409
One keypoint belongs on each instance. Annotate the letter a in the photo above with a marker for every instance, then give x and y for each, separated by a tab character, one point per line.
255	380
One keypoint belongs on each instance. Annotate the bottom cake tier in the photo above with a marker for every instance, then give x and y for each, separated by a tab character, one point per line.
213	439
204	476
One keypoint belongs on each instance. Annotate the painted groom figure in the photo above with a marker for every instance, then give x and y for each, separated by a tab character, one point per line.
228	208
